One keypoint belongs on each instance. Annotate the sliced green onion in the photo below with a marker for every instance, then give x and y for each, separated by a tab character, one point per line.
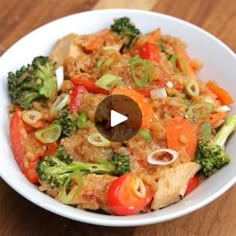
206	130
173	59
192	88
31	117
183	64
100	62
61	101
134	63
107	81
98	140
49	134
200	109
160	46
82	120
145	133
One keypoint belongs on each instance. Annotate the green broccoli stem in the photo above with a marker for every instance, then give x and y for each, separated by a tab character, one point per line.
223	134
81	166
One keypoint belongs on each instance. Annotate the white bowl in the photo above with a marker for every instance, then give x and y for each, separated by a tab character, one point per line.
219	64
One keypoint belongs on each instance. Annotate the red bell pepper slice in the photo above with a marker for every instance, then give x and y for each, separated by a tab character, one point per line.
149	51
192	184
88	83
75	98
18	135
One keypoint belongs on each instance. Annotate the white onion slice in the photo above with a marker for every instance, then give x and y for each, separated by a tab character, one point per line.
169	84
170	152
158	93
59	76
223	109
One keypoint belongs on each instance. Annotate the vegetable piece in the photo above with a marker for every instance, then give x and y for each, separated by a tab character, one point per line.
192	88
183	61
59	168
154	36
210	154
163	156
158	93
145	133
99	62
128	195
67	122
180	133
49	134
201	109
223	109
206	130
59	76
221	93
149	51
75	94
107	81
141	81
88	83
216	117
61	101
50	148
145	107
192	184
124	27
33	118
33	81
82	120
161	46
18	136
96	139
144	91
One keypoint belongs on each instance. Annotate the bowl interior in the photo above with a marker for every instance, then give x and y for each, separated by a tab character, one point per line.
219	64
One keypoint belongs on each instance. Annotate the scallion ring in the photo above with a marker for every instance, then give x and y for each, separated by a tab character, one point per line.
138	62
49	134
192	88
31	117
107	81
146	135
98	140
60	102
82	120
200	109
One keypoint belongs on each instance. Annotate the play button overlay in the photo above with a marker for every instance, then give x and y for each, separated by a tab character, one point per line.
118	118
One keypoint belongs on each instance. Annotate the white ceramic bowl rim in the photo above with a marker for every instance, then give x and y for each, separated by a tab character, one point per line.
44	201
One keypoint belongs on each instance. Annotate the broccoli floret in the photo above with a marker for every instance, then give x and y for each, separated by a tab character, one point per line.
67	122
124	27
36	80
210	154
61	170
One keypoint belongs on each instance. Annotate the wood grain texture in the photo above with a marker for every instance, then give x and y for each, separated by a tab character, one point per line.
20	217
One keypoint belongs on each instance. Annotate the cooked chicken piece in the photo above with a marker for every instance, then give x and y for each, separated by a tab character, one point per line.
173	183
64	48
93	192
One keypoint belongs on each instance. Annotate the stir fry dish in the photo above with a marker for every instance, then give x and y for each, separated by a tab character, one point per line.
184	127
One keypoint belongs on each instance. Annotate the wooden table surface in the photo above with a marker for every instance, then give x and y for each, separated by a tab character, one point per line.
20	217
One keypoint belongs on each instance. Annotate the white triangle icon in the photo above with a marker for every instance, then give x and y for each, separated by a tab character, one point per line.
117	118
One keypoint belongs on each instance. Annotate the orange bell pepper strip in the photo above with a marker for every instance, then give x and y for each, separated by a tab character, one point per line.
221	93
